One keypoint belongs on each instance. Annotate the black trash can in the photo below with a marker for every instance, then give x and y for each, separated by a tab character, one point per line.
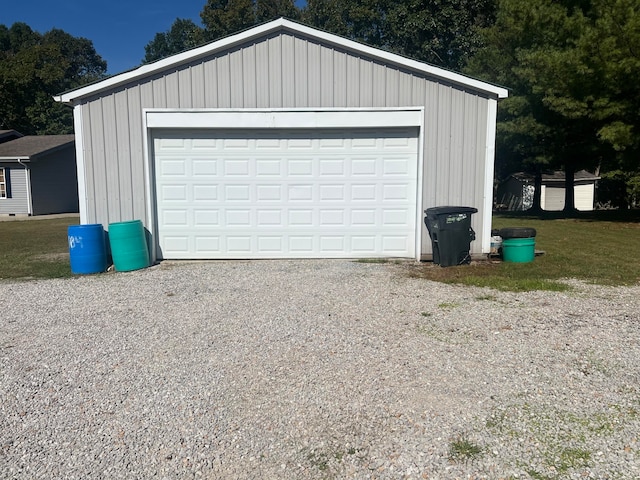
451	234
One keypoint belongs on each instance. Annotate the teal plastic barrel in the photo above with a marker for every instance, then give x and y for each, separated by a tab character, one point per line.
87	249
128	246
518	250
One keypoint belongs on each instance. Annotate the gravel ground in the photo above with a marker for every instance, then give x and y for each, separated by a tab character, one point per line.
315	369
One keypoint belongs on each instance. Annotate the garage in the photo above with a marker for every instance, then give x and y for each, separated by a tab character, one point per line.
321	193
283	141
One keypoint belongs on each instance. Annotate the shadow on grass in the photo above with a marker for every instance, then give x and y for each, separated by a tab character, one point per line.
626	216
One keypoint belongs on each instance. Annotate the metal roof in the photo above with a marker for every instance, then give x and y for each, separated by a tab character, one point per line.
556	176
26	148
286	26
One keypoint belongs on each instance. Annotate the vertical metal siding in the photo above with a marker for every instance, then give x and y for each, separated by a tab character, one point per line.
210	83
159	92
300	73
456	173
123	155
250	80
262	75
224	81
314	72
198	85
274	79
110	150
284	71
288	68
365	82
339	61
172	89
352	81
328	76
100	203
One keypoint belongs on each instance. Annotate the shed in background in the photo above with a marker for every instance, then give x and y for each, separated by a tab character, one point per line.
516	192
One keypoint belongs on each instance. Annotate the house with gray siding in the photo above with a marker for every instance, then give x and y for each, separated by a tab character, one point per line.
38	175
284	141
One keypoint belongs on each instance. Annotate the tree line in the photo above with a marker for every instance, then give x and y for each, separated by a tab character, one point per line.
571	66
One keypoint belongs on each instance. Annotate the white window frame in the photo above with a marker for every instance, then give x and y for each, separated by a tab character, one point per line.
3	184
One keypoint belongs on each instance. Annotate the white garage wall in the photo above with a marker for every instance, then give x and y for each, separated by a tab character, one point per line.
286	71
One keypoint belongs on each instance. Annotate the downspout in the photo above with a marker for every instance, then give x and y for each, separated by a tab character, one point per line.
27	176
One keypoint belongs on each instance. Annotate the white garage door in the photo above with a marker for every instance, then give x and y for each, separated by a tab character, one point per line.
286	193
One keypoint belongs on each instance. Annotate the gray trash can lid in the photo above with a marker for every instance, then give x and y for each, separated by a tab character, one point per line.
433	211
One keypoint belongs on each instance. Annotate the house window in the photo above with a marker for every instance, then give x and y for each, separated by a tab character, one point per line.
3	183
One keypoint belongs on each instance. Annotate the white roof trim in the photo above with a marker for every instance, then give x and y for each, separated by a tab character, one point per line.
264	29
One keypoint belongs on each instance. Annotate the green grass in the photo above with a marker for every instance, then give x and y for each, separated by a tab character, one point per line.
35	248
463	449
601	248
598	247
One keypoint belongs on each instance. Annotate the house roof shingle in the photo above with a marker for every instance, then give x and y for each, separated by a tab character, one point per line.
8	135
26	148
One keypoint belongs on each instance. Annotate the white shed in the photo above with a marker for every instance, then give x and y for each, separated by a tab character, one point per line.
284	141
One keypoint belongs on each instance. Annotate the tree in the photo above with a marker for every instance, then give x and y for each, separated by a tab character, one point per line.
570	66
442	33
33	68
267	10
183	35
224	17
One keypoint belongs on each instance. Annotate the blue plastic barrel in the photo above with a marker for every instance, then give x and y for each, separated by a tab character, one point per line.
128	245
87	249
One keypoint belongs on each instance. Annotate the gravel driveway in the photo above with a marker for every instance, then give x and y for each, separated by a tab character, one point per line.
314	369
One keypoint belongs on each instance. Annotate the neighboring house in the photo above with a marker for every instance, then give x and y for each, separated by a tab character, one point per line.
38	175
284	141
8	135
516	192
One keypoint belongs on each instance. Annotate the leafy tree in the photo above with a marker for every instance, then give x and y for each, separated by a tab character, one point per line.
183	35
570	66
33	68
224	17
443	33
267	10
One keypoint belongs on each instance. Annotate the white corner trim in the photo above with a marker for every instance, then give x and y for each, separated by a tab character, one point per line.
147	153
80	164
260	30
420	187
303	118
489	171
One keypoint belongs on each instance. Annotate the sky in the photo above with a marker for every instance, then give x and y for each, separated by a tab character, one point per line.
119	29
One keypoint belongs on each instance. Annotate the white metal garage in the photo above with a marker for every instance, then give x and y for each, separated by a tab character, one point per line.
284	141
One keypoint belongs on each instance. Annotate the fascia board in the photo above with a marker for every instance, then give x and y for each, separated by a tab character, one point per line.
260	30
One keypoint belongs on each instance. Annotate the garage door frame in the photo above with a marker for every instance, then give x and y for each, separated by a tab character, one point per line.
243	119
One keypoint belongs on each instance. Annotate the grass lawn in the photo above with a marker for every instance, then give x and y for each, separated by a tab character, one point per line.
35	248
598	247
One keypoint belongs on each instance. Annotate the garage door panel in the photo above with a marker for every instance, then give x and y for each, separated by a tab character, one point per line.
281	194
